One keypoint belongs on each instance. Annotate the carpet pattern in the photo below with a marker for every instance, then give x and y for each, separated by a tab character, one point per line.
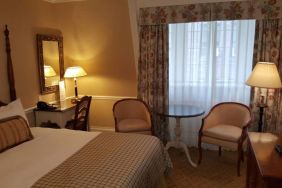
214	171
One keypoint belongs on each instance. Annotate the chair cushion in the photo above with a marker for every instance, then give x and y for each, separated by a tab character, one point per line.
224	132
133	125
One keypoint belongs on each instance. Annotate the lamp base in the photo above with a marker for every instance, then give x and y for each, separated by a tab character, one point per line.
261	110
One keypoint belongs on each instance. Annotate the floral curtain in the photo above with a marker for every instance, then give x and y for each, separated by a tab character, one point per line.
153	73
268	47
234	10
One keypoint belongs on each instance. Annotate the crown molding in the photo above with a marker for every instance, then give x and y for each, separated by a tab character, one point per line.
156	3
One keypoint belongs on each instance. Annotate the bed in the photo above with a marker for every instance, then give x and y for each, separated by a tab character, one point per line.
44	157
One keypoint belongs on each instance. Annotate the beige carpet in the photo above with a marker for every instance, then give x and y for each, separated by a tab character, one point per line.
214	171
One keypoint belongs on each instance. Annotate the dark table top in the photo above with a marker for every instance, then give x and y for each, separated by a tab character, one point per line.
181	111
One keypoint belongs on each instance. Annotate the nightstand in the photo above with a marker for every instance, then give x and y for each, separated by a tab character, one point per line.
48	118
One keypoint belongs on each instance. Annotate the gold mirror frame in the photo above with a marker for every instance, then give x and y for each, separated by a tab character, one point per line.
40	38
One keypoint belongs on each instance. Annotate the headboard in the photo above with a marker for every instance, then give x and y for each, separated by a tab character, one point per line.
10	71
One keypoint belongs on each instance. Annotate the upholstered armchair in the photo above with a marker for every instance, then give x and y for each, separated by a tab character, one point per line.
226	126
132	116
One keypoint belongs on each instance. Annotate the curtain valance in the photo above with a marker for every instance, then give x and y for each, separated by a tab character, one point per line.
234	10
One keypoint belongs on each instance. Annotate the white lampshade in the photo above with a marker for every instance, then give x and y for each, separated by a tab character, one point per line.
74	72
265	75
49	71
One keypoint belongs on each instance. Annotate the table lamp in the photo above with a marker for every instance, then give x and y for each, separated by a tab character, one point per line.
264	75
49	71
75	72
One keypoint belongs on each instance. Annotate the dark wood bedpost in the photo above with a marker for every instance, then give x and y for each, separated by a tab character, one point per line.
10	70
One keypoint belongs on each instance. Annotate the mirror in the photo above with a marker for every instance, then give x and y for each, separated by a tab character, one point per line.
50	62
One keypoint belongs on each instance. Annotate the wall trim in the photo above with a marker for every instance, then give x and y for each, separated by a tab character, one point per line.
94	97
99	97
105	97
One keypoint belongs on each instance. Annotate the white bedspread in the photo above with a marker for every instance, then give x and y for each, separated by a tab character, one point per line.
23	165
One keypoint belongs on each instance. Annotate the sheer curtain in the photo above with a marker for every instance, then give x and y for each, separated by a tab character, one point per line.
209	63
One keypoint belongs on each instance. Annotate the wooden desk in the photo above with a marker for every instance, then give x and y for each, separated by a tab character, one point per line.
264	168
64	112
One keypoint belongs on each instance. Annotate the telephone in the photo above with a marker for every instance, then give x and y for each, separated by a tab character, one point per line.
44	106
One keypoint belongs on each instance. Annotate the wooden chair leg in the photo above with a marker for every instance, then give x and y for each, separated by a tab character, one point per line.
200	149
239	158
242	156
219	150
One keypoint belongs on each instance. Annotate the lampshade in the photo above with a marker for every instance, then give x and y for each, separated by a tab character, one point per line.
74	72
49	71
265	75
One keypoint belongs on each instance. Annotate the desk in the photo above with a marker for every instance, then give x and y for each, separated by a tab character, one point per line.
64	112
264	167
178	112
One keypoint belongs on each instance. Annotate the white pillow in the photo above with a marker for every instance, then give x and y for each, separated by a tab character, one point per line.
13	109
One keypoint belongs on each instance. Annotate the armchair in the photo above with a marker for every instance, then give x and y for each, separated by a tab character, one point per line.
226	126
132	115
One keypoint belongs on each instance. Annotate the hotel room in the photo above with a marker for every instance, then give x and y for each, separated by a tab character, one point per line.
140	93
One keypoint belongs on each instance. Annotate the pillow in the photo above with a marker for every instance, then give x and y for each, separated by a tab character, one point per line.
13	131
14	108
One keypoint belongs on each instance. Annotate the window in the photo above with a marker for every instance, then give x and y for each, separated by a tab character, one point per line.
210	59
209	63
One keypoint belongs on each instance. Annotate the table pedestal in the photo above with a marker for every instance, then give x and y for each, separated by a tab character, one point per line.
177	143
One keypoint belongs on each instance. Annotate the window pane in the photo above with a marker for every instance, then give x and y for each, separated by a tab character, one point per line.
210	61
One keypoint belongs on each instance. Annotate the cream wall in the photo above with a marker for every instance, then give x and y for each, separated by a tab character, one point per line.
97	36
24	19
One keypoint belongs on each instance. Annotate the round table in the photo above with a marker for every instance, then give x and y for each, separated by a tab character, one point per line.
178	112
